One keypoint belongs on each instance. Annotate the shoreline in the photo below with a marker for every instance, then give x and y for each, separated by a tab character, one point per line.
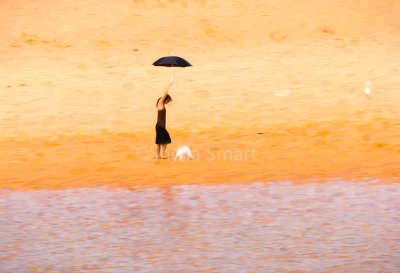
313	152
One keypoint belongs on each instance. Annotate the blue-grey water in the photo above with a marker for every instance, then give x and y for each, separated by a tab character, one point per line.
273	227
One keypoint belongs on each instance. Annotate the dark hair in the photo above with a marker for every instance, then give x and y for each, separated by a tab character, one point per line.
168	97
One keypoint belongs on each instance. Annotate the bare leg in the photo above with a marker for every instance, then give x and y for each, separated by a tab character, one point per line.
158	151
164	147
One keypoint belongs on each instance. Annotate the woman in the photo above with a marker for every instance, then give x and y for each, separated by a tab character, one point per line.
162	135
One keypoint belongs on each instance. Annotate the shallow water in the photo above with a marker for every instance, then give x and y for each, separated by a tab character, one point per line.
276	227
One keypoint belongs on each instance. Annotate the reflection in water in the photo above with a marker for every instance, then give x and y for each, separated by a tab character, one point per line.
332	227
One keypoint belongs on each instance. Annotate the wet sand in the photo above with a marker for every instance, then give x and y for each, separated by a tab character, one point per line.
262	227
315	152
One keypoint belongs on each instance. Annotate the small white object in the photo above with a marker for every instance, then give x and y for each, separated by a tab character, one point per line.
367	89
183	153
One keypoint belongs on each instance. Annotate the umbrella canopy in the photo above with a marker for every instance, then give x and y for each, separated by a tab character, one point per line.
172	61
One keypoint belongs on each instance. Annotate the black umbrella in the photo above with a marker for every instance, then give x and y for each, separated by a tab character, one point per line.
172	61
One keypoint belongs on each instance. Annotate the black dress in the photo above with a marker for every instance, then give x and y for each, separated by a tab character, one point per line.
162	135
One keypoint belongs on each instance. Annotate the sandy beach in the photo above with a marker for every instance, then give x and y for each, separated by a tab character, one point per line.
283	82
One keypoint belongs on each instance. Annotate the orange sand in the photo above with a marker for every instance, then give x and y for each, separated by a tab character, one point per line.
78	91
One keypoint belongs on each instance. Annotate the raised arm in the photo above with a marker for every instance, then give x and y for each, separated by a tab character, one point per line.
161	101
